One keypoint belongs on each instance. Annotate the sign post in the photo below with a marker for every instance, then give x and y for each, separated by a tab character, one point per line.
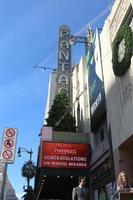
8	152
4	181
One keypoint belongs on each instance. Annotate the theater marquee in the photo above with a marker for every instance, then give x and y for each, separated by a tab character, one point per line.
61	155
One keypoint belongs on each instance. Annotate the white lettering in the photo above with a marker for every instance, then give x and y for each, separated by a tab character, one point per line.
64	33
64	65
64	50
59	163
92	88
96	103
63	55
74	164
46	163
63	80
65	158
64	44
65	151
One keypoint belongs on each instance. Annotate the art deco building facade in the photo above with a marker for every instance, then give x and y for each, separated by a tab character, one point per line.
119	84
80	100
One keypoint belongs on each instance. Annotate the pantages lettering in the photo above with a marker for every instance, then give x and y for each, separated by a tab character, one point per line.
64	49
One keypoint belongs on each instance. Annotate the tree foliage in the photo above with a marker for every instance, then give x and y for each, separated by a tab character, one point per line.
61	110
28	169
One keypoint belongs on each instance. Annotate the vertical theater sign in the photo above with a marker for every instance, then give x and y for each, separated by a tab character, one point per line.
64	61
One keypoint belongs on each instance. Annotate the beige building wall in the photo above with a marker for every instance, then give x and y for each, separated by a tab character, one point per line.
51	93
80	97
119	90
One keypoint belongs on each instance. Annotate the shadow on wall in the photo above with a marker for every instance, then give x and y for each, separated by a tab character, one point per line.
119	100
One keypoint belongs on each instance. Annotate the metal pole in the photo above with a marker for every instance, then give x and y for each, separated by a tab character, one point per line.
21	149
28	184
28	180
4	182
30	152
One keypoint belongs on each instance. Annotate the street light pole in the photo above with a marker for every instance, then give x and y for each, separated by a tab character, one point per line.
21	149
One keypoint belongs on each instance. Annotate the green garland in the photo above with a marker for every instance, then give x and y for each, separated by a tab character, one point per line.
119	68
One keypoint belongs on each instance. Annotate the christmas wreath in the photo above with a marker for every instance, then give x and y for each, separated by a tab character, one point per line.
121	59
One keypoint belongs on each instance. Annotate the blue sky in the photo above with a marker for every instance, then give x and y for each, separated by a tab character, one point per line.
29	36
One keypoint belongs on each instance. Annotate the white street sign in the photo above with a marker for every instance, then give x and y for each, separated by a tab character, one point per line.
9	145
46	133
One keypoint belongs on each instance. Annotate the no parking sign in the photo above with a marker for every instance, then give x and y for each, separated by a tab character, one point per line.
9	145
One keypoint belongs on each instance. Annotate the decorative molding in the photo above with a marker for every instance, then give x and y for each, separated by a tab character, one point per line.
118	17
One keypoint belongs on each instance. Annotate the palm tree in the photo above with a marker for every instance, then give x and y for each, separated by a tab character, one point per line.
28	170
29	194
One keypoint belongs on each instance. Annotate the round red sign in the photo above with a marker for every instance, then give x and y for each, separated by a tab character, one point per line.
10	132
7	154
